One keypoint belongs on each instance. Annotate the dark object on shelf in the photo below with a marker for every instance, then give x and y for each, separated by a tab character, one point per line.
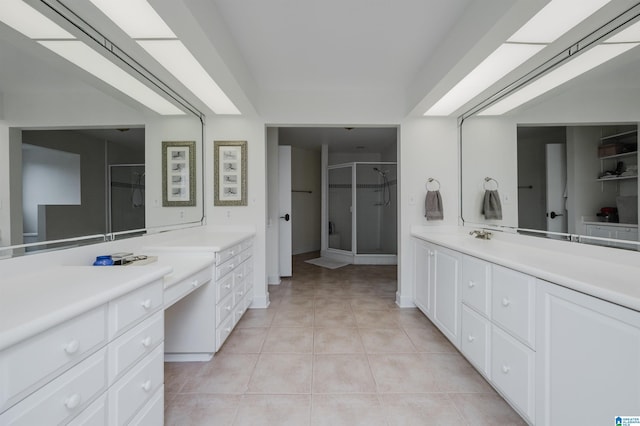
608	214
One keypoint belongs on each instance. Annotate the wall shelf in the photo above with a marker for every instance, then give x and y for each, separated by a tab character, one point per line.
617	178
624	154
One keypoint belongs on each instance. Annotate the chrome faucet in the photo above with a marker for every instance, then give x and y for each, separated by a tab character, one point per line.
481	233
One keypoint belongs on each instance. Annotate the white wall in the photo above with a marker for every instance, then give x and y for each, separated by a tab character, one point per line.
10	186
305	207
428	148
254	215
273	207
49	176
489	150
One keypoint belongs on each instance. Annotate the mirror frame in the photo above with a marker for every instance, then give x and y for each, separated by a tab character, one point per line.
623	20
103	44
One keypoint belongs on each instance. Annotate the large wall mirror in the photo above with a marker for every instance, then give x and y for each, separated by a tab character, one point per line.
79	159
565	164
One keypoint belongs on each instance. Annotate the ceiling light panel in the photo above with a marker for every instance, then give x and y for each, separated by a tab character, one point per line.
25	19
89	60
577	66
136	18
504	59
555	19
630	34
177	59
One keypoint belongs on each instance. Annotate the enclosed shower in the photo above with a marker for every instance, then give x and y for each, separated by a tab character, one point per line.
362	212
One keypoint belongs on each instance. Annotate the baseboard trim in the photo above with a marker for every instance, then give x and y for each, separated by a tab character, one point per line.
404	302
195	357
260	302
274	280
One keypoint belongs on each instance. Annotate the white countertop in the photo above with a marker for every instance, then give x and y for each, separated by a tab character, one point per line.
621	225
206	241
609	274
184	264
34	302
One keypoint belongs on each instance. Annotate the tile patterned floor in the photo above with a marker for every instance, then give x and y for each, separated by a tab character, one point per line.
333	349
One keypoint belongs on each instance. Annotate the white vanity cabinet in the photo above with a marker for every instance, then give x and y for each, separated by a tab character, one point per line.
615	231
436	287
588	359
234	287
73	372
498	324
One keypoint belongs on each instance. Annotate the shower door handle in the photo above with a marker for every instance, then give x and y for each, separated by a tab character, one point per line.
286	217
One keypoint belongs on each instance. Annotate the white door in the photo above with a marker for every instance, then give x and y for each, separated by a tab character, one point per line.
556	158
284	190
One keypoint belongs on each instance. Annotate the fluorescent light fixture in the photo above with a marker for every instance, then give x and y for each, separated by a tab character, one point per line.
577	66
91	61
177	59
135	17
630	34
504	59
25	19
555	19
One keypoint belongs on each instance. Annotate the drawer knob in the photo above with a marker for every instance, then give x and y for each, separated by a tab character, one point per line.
228	329
505	302
228	308
506	369
72	402
228	286
194	283
146	386
431	253
240	276
472	284
471	338
72	347
146	342
146	304
240	293
232	252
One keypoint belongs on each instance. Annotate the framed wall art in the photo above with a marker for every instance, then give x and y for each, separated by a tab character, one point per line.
230	173
178	174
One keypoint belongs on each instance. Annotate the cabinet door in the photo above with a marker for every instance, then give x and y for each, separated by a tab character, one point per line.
588	358
423	255
446	294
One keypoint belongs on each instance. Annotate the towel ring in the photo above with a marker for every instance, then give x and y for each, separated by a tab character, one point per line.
430	180
487	180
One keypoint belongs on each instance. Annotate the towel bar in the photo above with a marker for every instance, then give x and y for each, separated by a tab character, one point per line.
486	182
432	180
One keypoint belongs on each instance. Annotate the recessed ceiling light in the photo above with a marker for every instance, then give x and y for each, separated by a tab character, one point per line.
577	66
91	61
135	17
176	58
555	19
503	60
25	19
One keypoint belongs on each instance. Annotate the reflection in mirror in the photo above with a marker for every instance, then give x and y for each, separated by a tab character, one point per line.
78	158
566	161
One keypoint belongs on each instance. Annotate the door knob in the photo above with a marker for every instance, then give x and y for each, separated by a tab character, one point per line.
286	217
553	215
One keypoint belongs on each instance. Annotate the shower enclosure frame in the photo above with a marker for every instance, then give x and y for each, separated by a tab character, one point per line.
352	256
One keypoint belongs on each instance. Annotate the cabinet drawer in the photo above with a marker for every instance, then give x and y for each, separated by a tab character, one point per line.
240	309
178	290
246	244
225	268
134	345
512	303
137	387
475	284
224	309
30	363
224	287
152	414
512	371
475	345
223	331
226	254
64	397
94	415
131	308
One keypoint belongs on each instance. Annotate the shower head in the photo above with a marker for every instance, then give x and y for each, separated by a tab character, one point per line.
381	172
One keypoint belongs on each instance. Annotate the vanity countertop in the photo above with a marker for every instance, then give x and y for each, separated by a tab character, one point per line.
33	302
207	241
184	264
611	275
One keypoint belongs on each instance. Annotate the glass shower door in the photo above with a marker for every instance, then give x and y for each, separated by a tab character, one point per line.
376	208
340	201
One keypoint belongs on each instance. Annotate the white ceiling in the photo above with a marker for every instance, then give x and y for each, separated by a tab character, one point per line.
337	44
